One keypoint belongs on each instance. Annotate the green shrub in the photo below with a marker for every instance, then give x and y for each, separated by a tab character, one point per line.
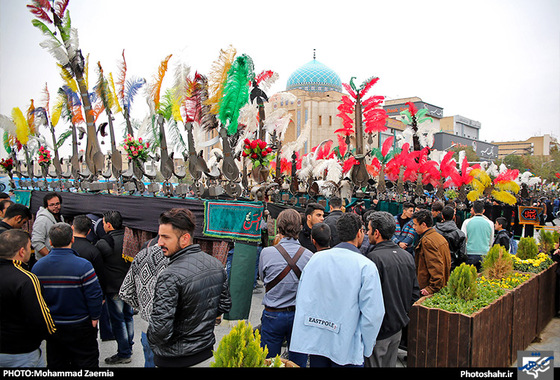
241	347
547	240
462	282
497	263
527	248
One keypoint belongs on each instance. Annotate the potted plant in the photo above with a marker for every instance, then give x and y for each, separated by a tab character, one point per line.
241	347
457	327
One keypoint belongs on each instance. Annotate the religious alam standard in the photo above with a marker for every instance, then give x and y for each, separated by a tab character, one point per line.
227	107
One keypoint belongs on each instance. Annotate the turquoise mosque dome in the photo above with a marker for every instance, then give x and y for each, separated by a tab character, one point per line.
314	77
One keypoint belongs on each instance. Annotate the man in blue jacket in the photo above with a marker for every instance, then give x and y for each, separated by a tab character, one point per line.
339	302
74	297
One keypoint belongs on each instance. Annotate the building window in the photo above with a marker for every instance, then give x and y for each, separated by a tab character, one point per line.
320	120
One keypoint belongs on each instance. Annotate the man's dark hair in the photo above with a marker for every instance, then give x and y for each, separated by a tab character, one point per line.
115	218
321	233
5	203
181	219
348	226
423	216
335	202
11	241
448	213
49	196
502	221
437	206
17	209
383	222
82	224
289	223
312	207
407	205
478	207
60	235
4	196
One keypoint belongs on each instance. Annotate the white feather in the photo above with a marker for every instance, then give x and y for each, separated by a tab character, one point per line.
248	116
7	125
277	121
72	44
57	51
295	146
267	83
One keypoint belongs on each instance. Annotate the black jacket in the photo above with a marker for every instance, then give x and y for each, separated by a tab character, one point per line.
25	319
115	265
456	239
331	220
397	273
502	238
91	253
304	238
189	295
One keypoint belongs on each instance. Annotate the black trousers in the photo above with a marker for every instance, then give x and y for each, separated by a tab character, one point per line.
73	346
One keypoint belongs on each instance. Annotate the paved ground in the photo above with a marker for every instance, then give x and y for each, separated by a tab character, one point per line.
549	339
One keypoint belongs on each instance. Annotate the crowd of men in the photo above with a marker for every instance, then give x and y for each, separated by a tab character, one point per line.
338	289
79	284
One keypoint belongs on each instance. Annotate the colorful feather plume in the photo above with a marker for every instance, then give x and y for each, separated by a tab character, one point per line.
22	128
218	77
374	117
155	87
133	85
236	92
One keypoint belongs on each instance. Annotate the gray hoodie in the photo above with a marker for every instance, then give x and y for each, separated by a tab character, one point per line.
40	234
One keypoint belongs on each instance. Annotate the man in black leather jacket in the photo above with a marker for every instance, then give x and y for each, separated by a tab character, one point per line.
189	295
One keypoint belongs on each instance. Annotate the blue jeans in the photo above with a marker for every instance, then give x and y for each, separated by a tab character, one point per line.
276	326
148	353
29	359
122	324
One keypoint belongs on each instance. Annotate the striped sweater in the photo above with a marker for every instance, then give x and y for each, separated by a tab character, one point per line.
25	319
71	288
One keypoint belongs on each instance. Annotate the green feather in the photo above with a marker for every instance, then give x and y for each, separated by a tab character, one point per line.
45	29
7	143
236	92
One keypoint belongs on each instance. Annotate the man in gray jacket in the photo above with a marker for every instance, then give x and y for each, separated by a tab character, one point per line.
47	216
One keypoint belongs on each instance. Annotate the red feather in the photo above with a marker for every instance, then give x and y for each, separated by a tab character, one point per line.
349	164
264	76
387	144
412	108
61	7
368	86
324	151
350	90
40	13
507	176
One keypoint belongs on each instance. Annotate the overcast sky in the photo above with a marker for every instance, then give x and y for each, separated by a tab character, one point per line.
493	61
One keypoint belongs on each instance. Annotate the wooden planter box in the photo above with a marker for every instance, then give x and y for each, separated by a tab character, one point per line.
490	337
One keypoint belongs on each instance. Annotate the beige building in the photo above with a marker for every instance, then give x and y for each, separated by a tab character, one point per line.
536	145
318	92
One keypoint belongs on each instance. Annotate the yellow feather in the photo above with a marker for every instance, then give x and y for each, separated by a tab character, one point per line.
68	78
504	196
217	78
22	128
116	105
473	195
510	186
86	72
57	110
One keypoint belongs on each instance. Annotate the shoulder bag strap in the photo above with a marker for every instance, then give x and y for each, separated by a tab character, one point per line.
291	266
